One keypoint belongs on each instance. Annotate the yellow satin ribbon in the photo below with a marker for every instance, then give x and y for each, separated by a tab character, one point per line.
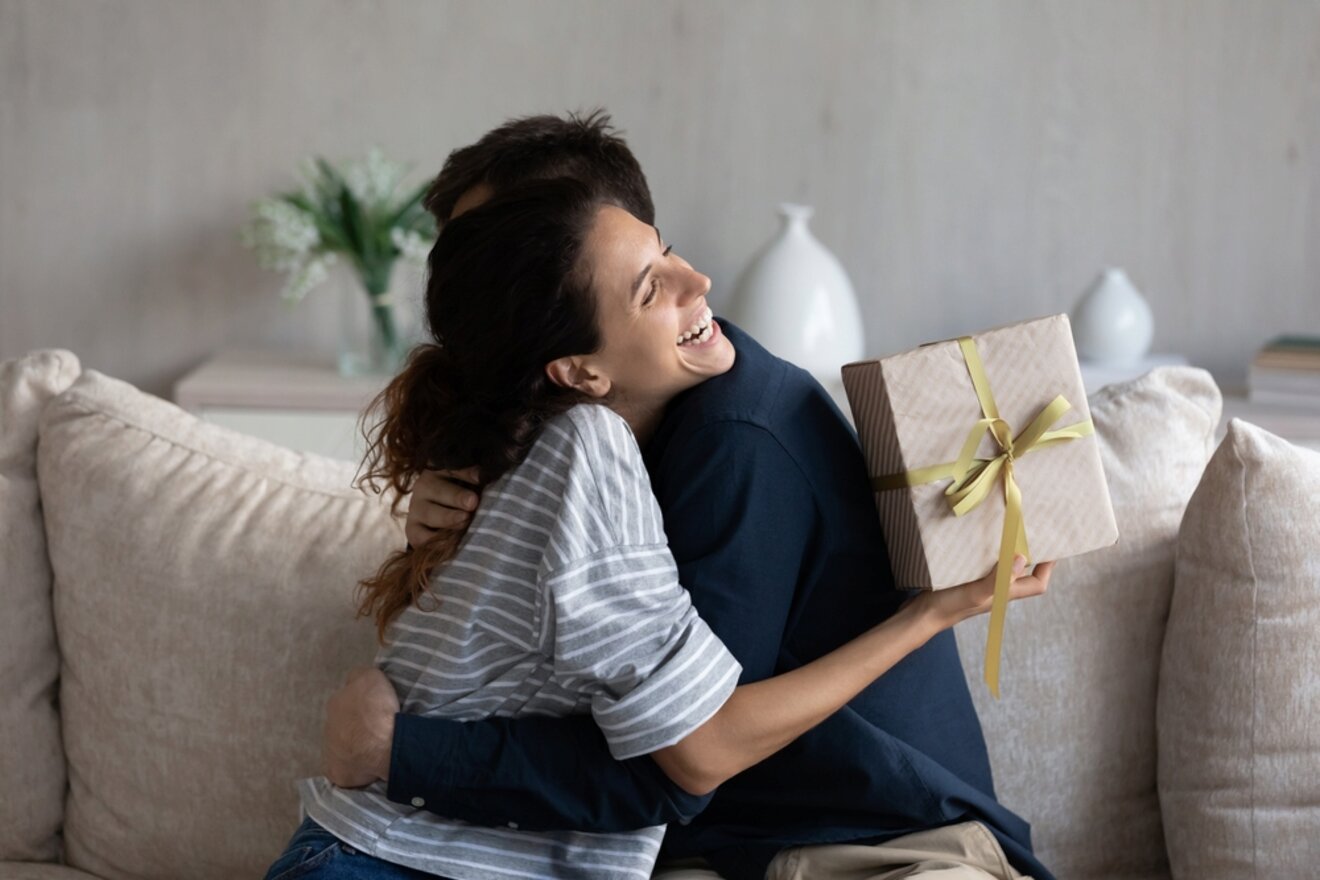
974	477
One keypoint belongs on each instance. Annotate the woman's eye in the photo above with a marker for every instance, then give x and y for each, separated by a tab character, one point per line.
650	294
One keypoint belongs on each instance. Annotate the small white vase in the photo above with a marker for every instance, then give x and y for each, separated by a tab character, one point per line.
1112	323
796	300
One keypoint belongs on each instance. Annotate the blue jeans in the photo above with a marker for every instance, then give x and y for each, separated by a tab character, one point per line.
315	854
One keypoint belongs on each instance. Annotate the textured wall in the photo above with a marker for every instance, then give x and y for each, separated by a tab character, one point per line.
971	162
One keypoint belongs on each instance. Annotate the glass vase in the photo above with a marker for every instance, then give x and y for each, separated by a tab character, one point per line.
373	340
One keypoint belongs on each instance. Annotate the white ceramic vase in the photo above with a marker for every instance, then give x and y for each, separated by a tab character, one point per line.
1112	323
796	300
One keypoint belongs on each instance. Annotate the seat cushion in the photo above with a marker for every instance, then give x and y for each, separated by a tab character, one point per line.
1072	740
31	759
203	599
1239	707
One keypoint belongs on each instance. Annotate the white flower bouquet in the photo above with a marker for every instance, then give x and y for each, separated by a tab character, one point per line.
353	211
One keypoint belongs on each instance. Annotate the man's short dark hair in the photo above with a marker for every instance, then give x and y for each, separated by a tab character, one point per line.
585	148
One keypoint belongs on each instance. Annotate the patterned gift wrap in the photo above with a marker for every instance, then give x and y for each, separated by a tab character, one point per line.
979	447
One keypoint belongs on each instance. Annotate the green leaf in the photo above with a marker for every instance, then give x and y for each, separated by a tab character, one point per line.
331	186
298	200
332	236
409	205
329	172
425	225
353	231
382	243
327	192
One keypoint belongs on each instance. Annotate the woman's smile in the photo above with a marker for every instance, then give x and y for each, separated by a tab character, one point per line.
701	331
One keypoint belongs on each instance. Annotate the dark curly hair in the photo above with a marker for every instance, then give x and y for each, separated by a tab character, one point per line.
585	147
507	293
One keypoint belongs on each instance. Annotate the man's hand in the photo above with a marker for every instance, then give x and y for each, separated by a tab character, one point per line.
359	729
956	604
441	501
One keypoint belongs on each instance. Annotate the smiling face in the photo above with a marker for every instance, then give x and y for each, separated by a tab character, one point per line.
658	334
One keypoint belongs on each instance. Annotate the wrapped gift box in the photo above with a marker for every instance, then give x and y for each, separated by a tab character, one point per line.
915	410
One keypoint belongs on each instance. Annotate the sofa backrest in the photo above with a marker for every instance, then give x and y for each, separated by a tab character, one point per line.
31	758
1073	741
203	600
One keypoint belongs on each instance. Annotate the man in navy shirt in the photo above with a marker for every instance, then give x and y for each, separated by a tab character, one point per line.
770	517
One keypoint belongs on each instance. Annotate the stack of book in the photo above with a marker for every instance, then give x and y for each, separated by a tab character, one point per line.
1287	371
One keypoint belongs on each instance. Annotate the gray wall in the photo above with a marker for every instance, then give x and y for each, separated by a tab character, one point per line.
971	162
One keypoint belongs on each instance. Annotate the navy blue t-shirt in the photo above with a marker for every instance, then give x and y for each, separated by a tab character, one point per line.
770	517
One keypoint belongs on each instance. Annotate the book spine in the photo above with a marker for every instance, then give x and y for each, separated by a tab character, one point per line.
1288	360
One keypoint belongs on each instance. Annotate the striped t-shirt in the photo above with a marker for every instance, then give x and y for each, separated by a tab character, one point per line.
562	598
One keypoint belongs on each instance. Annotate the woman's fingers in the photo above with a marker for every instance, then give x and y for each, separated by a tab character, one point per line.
958	603
1034	584
440	502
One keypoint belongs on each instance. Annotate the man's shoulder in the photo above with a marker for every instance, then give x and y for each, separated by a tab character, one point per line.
756	390
761	396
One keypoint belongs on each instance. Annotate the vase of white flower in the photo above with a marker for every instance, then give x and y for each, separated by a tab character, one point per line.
351	212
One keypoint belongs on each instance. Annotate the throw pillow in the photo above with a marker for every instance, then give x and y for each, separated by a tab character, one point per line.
1239	707
203	599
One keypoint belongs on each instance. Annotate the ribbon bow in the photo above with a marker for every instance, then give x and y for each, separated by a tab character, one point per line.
974	477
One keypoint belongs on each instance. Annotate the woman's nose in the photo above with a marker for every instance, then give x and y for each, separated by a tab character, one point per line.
694	285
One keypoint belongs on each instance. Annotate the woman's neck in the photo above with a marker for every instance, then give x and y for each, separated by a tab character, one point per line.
643	419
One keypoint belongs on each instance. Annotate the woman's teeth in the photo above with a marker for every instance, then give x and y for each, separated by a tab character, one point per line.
700	332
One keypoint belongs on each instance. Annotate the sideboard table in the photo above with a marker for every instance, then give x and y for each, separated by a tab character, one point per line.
296	401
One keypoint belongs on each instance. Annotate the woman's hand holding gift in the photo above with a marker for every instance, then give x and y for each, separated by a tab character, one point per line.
956	604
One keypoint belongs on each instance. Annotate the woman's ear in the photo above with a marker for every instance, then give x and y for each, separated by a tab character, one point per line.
575	372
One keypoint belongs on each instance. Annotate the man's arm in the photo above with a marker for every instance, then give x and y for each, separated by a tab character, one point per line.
734	506
537	773
499	771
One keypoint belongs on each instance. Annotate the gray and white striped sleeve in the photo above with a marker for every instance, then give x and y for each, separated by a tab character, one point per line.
626	632
620	626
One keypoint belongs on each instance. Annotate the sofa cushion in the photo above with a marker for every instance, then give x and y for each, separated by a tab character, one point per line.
203	600
1072	741
1239	707
32	759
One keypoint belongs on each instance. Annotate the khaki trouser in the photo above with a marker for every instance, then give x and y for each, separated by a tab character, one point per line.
955	852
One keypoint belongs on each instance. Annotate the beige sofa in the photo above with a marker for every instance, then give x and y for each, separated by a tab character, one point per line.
177	605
